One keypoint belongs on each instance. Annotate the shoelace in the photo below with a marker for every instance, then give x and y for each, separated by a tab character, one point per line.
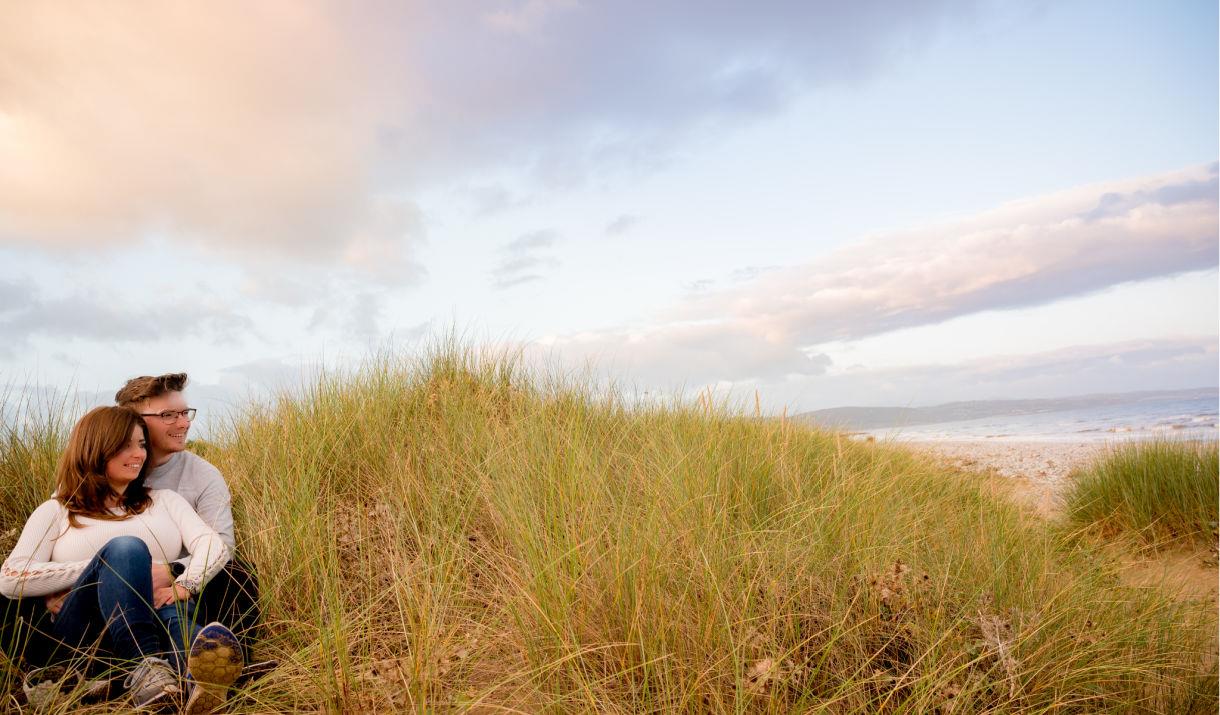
143	670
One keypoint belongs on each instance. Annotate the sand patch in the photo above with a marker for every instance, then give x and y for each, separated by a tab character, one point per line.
1185	573
1037	462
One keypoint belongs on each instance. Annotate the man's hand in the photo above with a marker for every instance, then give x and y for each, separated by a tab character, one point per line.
55	601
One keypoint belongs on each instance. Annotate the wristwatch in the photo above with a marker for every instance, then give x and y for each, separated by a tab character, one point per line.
176	569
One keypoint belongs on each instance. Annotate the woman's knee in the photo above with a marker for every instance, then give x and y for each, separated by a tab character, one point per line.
126	549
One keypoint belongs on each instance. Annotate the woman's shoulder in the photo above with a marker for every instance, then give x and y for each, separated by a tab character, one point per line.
50	506
49	510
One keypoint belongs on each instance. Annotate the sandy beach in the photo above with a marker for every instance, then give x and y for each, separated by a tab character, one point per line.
1033	472
1048	462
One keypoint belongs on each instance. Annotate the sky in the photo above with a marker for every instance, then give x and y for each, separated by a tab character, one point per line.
821	203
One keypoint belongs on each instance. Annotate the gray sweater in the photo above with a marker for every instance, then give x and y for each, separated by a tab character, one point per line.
203	487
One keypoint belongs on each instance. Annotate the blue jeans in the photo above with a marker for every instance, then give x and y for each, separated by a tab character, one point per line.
112	600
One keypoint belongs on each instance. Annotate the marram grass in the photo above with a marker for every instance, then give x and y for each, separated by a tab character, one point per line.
455	534
1162	491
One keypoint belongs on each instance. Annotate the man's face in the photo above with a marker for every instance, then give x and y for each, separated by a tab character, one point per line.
166	437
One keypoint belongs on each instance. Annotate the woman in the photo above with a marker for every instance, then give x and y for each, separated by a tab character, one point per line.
99	552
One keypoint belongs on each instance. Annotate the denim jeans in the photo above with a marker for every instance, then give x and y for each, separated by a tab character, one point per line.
112	601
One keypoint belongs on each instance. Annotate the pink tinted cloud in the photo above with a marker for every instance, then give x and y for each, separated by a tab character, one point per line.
1022	254
302	129
246	128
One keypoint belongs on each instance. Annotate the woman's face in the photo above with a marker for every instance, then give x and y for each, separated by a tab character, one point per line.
124	467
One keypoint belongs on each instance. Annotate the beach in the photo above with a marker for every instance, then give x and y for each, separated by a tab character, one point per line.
1032	472
1048	462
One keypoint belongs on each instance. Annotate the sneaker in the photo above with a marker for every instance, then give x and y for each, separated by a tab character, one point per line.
44	686
255	671
95	690
213	663
152	681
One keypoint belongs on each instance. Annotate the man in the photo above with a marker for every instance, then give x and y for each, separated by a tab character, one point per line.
160	401
232	596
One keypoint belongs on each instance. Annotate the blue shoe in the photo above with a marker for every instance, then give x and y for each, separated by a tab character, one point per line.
213	663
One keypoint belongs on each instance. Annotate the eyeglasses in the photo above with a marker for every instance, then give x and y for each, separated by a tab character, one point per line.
171	416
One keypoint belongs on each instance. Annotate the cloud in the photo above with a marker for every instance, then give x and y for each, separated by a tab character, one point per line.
1114	204
245	130
524	259
288	290
687	355
266	375
621	225
88	316
353	313
302	130
737	276
1084	369
1164	355
623	80
13	294
1022	254
365	313
490	199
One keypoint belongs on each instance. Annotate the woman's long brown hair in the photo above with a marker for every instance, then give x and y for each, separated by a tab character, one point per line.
80	483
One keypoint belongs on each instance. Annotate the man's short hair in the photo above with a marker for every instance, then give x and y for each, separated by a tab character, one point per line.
146	387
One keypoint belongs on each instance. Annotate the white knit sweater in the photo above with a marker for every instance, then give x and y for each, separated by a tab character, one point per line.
51	555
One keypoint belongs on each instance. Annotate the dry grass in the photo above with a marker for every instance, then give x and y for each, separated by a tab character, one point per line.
456	534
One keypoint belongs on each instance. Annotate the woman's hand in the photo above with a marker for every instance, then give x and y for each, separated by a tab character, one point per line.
165	596
161	577
55	601
165	591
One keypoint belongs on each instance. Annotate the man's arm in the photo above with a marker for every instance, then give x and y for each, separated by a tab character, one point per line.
215	506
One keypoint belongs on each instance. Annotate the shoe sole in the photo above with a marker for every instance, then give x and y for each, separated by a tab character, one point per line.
214	662
204	701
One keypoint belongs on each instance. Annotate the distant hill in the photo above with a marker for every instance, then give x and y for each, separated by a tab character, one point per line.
875	417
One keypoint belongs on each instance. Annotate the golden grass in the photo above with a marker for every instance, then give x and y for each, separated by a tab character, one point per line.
457	534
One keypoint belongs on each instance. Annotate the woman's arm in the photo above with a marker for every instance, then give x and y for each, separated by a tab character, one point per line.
208	551
28	570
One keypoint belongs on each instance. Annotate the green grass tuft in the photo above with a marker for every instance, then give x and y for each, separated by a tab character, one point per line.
1162	491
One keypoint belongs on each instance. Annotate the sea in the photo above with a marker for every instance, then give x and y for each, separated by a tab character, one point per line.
1186	419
